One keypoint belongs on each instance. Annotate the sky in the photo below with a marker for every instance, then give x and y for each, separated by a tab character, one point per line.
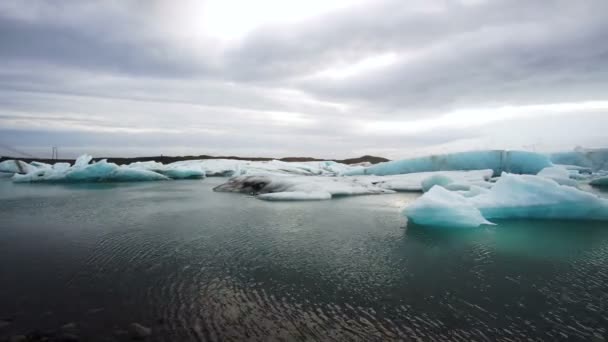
320	78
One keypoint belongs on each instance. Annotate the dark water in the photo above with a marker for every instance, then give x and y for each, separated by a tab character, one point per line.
197	265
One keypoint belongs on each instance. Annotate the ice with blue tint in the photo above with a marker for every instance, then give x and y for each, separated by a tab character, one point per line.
594	159
513	196
443	181
15	166
82	171
173	170
520	162
441	207
559	174
102	171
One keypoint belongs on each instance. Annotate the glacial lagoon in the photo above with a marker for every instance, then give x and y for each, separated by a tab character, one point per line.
193	264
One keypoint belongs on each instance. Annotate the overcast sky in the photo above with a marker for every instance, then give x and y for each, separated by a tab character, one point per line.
322	78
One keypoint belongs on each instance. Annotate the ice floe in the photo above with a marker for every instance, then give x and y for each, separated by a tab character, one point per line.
520	162
300	187
512	196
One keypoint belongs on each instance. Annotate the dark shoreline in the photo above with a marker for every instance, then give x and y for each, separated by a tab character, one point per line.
172	159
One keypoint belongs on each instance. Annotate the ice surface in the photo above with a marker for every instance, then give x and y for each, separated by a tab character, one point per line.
499	161
513	196
559	174
299	187
173	170
15	166
413	181
441	207
594	159
230	168
101	171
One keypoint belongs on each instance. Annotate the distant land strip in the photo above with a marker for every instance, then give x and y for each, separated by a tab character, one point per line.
169	159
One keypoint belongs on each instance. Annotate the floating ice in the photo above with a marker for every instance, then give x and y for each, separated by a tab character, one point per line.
101	171
299	187
513	196
230	167
559	174
441	207
499	161
594	159
15	166
173	171
414	181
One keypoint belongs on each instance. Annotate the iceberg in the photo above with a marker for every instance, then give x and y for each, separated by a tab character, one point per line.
101	171
173	170
233	168
519	162
594	159
15	166
414	181
559	174
274	187
512	196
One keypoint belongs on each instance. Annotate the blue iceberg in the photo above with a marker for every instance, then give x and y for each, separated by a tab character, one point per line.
102	171
519	162
513	196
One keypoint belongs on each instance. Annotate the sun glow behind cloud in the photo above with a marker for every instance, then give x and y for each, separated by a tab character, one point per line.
231	19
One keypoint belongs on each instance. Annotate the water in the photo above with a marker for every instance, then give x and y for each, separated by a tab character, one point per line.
197	265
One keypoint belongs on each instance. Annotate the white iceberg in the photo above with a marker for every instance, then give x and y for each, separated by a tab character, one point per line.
593	159
82	171
274	187
232	168
414	181
513	196
520	162
15	166
173	170
559	174
102	171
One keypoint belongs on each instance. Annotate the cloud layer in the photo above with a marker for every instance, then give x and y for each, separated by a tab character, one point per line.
332	80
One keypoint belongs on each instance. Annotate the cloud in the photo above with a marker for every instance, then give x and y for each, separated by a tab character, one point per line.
148	69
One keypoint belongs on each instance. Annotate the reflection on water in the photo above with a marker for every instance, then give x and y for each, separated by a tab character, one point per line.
198	265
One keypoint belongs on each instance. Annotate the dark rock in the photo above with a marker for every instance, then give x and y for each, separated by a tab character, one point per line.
4	323
138	331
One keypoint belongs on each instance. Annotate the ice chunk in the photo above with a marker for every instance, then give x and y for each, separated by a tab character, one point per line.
101	171
513	196
413	181
173	170
16	166
594	159
441	207
312	186
499	161
559	174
